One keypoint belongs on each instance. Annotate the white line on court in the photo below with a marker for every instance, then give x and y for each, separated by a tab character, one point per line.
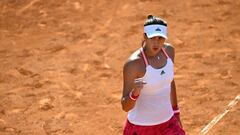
220	116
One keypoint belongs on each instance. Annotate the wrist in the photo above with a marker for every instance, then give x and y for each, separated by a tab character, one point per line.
176	110
132	96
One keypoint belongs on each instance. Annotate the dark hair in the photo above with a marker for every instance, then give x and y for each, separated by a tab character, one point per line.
154	20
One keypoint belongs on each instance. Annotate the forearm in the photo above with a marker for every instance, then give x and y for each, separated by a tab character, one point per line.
173	94
175	102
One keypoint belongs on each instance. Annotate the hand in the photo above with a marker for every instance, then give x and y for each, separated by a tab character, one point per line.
138	85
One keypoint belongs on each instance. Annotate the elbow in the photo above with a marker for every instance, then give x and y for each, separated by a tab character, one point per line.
126	106
125	109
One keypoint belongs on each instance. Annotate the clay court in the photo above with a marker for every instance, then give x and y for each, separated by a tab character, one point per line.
61	63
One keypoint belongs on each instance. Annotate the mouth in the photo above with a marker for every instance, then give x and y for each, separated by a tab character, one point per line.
155	48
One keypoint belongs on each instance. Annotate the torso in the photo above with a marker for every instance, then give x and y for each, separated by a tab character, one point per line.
153	105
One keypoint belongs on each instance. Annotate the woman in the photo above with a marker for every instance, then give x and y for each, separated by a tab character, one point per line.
149	92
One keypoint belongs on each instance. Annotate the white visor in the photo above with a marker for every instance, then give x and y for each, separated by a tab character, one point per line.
156	30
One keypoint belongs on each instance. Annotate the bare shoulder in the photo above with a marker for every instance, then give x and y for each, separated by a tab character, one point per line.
170	50
133	64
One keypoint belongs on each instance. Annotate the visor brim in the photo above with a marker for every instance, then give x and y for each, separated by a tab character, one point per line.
156	35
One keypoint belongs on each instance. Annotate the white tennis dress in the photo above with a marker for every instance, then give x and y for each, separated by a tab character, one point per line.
154	104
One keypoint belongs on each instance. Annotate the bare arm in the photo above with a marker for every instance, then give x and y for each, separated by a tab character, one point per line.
173	95
171	53
129	74
133	70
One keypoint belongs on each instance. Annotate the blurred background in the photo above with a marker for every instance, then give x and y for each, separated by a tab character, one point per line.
61	63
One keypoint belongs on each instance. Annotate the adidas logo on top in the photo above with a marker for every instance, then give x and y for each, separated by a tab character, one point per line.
158	29
163	72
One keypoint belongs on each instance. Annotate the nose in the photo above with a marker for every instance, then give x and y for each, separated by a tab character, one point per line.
156	39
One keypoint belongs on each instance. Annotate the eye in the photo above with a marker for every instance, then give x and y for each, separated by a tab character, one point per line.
154	38
160	38
157	38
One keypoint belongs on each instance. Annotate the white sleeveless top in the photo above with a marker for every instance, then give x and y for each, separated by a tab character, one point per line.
153	105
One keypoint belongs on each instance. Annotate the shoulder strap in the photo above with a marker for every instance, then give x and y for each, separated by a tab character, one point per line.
144	56
165	52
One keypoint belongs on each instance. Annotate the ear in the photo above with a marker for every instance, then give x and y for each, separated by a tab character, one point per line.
145	36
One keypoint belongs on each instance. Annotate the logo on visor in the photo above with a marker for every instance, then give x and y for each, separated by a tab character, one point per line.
158	29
